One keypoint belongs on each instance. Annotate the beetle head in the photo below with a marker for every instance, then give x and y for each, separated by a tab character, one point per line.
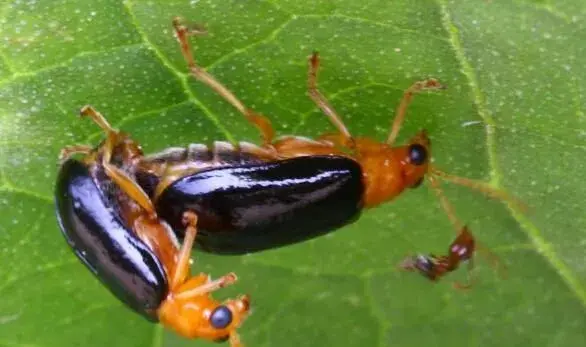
201	316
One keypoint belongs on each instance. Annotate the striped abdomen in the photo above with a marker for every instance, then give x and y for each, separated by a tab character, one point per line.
156	171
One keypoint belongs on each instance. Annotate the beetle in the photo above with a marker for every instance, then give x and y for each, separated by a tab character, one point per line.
113	229
462	249
251	198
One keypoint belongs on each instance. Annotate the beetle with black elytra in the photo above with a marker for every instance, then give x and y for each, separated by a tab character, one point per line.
251	198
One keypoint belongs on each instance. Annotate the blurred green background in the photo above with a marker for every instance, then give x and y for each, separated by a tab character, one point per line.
513	114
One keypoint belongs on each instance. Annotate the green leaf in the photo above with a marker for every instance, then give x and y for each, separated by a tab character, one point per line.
513	115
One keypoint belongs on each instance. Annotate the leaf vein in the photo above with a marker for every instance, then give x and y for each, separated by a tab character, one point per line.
269	38
6	62
39	270
89	310
63	64
182	77
9	188
375	310
542	246
373	22
550	10
342	92
131	117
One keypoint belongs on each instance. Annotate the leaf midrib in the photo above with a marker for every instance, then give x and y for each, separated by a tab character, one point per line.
544	248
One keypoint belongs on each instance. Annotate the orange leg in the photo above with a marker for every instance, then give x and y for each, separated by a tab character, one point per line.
69	151
261	122
119	177
89	111
209	287
323	103
402	109
129	186
182	269
98	118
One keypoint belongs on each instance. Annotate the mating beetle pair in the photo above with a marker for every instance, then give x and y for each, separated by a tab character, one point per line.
114	205
113	228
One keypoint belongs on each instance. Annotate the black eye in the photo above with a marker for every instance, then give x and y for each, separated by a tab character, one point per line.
221	317
417	154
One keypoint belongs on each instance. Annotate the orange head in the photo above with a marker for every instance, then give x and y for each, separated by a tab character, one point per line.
198	315
389	170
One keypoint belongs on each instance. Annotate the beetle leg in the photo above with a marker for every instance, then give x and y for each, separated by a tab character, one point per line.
119	177
293	146
208	287
321	101
182	268
261	122
405	101
129	186
68	151
125	183
98	118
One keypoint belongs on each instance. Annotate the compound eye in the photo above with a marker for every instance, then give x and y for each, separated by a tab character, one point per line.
221	317
417	154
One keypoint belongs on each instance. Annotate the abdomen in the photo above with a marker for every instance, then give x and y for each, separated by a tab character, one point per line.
249	208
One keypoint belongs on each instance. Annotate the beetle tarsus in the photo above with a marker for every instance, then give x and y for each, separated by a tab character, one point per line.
68	151
259	121
98	118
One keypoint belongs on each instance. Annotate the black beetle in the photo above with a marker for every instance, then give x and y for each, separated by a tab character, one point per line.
112	227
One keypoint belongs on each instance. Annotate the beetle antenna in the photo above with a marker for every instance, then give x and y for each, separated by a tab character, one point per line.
493	259
235	340
445	203
480	186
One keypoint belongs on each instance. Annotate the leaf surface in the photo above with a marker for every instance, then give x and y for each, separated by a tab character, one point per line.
513	115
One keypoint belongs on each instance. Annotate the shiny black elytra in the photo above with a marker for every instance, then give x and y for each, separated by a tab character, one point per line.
90	222
250	208
244	208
